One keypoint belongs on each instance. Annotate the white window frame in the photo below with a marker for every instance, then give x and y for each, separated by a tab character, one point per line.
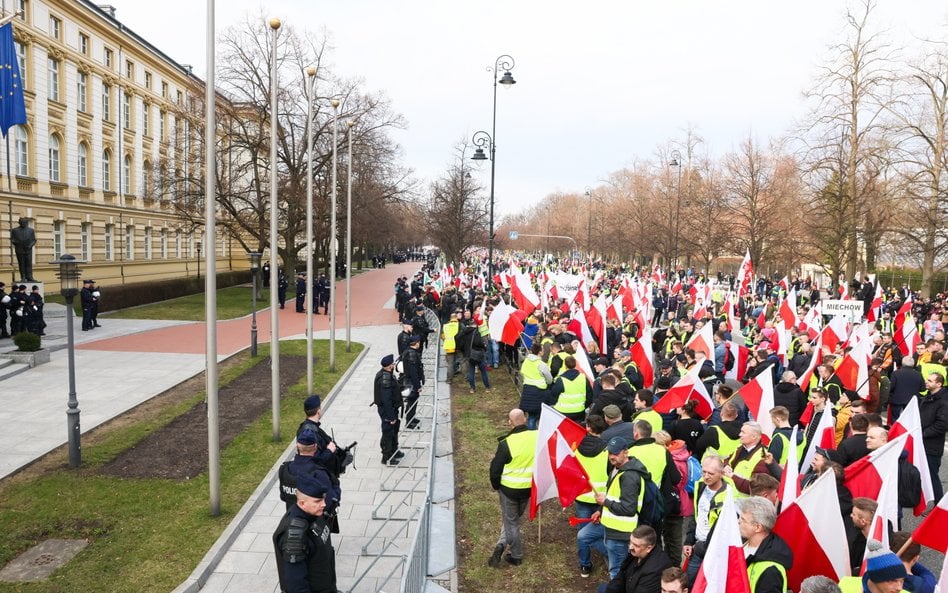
59	238
82	164
85	241
52	68
110	242
55	156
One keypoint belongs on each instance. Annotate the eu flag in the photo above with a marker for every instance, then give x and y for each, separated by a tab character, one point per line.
12	106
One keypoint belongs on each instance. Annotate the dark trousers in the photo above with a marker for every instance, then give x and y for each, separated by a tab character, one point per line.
934	464
87	318
411	402
389	440
300	302
672	532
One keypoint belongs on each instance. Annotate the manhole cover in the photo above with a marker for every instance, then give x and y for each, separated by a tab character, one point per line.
40	561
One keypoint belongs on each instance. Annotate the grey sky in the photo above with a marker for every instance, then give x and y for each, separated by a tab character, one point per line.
599	83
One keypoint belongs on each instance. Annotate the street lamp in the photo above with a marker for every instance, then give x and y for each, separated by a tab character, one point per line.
506	63
274	214
349	244
589	219
676	162
254	269
311	74
69	288
332	242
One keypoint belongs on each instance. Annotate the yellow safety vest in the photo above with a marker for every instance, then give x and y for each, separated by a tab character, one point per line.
573	398
597	468
853	585
530	371
928	368
518	472
757	568
654	457
717	501
562	356
726	446
745	469
483	330
785	451
623	523
652	417
449	331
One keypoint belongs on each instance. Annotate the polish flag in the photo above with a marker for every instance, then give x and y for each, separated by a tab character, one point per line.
758	394
741	354
933	530
703	341
744	275
864	477
875	309
886	516
596	318
523	293
614	311
689	387
503	326
816	358
813	323
724	569
825	436
642	356
790	479
788	310
579	318
835	332
813	528
906	337
676	287
785	283
853	369
910	422
582	362
556	471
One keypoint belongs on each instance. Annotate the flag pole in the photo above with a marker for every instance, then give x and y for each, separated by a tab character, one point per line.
539	524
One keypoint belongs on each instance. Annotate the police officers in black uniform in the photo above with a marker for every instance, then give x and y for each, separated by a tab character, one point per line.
305	464
414	379
4	307
305	558
88	302
282	285
388	400
323	292
96	295
300	292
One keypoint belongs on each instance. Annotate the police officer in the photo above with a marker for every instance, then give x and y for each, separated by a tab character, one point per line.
305	558
300	292
88	302
388	400
415	379
4	307
324	290
96	294
326	454
305	464
282	285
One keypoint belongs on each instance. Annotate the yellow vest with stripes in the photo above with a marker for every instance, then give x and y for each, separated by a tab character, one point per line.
597	468
562	356
653	418
726	446
757	568
573	398
623	523
654	457
530	371
449	331
785	451
518	472
745	469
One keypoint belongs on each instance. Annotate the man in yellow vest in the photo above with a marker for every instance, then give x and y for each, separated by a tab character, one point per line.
448	334
709	495
747	460
721	439
593	456
571	392
643	409
511	474
535	379
768	556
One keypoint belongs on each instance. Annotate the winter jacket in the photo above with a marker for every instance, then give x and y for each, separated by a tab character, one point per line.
772	549
680	455
790	396
933	410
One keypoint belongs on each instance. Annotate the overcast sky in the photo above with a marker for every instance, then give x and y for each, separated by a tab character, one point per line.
600	83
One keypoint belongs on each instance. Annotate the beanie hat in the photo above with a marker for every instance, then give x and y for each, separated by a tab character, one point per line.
881	564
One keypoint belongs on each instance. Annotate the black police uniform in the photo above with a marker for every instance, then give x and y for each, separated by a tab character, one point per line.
300	293
306	465
415	376
88	302
305	558
388	400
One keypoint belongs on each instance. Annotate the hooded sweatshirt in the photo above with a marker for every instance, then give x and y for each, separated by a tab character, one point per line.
680	454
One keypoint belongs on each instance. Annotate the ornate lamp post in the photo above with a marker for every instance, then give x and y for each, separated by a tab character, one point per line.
255	257
69	288
274	214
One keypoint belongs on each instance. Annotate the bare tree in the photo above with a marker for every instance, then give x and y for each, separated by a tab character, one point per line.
457	210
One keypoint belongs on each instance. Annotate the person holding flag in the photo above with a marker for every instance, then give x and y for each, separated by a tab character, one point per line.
511	475
768	556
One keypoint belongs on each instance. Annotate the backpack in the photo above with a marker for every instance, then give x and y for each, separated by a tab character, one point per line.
652	511
694	474
728	359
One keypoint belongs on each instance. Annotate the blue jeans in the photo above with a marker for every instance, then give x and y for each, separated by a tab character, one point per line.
493	353
482	365
617	551
590	537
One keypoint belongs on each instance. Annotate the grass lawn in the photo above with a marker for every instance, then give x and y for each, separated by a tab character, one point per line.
145	534
235	301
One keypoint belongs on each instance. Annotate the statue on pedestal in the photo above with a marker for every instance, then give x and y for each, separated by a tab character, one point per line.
23	239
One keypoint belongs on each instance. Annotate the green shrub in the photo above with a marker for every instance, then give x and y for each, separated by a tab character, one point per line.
27	342
121	296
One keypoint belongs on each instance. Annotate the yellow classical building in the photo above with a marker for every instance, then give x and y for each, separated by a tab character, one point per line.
104	128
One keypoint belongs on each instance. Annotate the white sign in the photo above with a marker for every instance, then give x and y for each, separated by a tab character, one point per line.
851	309
513	235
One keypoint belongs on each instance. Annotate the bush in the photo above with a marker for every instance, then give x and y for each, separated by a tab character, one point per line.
122	296
27	342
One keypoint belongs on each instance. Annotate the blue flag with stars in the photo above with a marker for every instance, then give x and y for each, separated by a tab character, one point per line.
12	105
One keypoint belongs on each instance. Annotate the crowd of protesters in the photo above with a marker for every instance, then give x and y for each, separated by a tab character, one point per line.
694	459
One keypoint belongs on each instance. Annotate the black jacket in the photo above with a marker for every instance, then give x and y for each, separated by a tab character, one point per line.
414	370
641	576
933	410
611	396
709	440
791	397
315	570
852	448
402	342
387	395
772	549
501	458
906	383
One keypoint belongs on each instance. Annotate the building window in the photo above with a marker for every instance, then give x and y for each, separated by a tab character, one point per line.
106	102
164	243
145	124
106	170
177	244
107	57
148	242
85	243
129	69
110	242
146	179
130	242
22	152
162	121
127	110
58	238
83	44
127	174
55	27
21	62
53	69
83	163
54	155
180	98
22	7
148	80
164	89
82	89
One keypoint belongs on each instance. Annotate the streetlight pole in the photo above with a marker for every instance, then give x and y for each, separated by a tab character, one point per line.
69	288
332	242
254	270
211	375
311	74
274	263
349	244
589	219
676	162
507	63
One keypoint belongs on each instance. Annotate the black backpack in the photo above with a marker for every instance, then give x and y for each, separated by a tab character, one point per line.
728	359
652	511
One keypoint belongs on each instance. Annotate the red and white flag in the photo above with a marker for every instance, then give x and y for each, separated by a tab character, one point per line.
614	311
907	337
689	387
556	471
741	355
579	318
875	309
503	326
788	310
835	332
703	341
745	275
813	528
724	569
758	394
825	437
790	479
910	422
642	356
886	516
523	293
816	358
596	318
864	477
812	322
933	530
853	369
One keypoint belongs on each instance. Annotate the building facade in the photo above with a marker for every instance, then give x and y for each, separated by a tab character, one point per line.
105	127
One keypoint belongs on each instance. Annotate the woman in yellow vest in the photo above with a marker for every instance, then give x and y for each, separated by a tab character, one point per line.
448	334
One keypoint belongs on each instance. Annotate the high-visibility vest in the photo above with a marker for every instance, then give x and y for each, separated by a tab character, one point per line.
562	356
530	371
654	457
717	501
726	445
597	468
573	398
449	331
518	472
785	451
745	469
757	568
623	523
928	368
652	417
483	330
